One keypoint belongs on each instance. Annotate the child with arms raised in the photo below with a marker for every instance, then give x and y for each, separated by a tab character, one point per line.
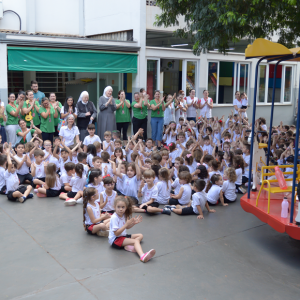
121	221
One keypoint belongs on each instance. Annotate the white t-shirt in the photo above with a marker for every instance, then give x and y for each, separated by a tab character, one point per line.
91	140
191	111
186	195
96	212
149	194
24	169
62	164
128	154
62	111
191	168
180	113
163	192
206	111
198	198
115	223
2	177
169	114
238	104
11	181
244	102
109	169
213	194
65	178
89	160
208	148
46	154
119	185
57	185
109	151
174	154
171	138
39	171
55	161
228	189
179	148
69	134
130	186
78	183
110	200
239	174
100	187
247	161
85	169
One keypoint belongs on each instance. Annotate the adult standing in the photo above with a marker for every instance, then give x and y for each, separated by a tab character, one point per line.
157	106
2	120
237	102
24	134
21	98
106	116
13	116
36	93
68	109
31	109
181	108
122	114
53	102
48	114
70	131
140	106
191	102
206	105
87	113
169	114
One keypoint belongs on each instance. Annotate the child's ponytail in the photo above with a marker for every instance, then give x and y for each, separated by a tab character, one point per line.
79	169
213	180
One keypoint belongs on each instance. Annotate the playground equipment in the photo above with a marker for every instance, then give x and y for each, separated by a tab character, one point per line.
261	204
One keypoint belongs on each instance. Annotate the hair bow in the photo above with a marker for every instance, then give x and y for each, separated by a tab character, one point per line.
188	155
227	140
106	176
171	144
198	164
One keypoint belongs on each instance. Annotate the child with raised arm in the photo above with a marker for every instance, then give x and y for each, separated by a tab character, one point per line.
93	221
14	191
120	221
199	202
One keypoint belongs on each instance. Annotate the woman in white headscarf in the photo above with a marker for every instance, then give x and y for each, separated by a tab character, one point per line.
86	114
106	116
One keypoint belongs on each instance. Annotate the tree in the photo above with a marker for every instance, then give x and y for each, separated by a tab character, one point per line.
214	24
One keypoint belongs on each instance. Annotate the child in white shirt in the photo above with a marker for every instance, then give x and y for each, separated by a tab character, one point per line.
214	190
228	187
107	197
108	144
91	138
66	178
38	168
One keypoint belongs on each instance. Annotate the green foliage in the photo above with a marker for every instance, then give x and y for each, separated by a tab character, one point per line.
214	24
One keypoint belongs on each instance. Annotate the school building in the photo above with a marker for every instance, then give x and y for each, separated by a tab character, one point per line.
73	45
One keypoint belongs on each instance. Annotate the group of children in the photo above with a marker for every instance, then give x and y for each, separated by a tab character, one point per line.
201	164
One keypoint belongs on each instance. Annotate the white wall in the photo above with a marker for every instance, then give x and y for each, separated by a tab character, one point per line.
57	16
10	20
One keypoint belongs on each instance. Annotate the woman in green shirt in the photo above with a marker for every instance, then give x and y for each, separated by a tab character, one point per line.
2	120
48	114
25	134
13	117
122	114
140	106
31	108
52	98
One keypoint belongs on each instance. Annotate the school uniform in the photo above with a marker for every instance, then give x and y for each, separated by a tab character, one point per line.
74	159
128	155
109	169
90	160
213	194
171	138
109	151
213	173
88	140
228	189
96	212
163	192
77	183
130	186
149	194
119	186
109	206
2	181
85	169
208	148
55	190
65	178
185	198
179	148
239	174
174	154
191	168
62	165
245	176
100	187
176	186
23	172
12	185
198	198
117	222
55	161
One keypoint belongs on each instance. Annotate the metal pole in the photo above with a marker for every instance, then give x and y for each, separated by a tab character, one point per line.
272	111
295	160
253	123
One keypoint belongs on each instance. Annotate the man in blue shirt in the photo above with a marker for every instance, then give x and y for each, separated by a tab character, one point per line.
36	93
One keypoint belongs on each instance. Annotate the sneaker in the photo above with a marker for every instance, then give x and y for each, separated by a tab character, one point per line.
21	199
130	248
30	196
79	201
36	191
170	206
147	256
242	190
37	186
104	233
166	211
70	202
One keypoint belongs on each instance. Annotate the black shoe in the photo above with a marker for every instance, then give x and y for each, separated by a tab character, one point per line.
166	211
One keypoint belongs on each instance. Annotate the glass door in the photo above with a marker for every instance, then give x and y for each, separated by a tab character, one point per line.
242	78
152	76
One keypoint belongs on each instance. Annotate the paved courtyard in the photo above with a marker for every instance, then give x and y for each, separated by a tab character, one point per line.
46	254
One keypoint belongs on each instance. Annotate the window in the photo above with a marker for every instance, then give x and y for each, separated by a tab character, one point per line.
283	83
225	78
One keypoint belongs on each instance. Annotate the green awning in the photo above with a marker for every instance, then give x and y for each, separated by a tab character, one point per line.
69	60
